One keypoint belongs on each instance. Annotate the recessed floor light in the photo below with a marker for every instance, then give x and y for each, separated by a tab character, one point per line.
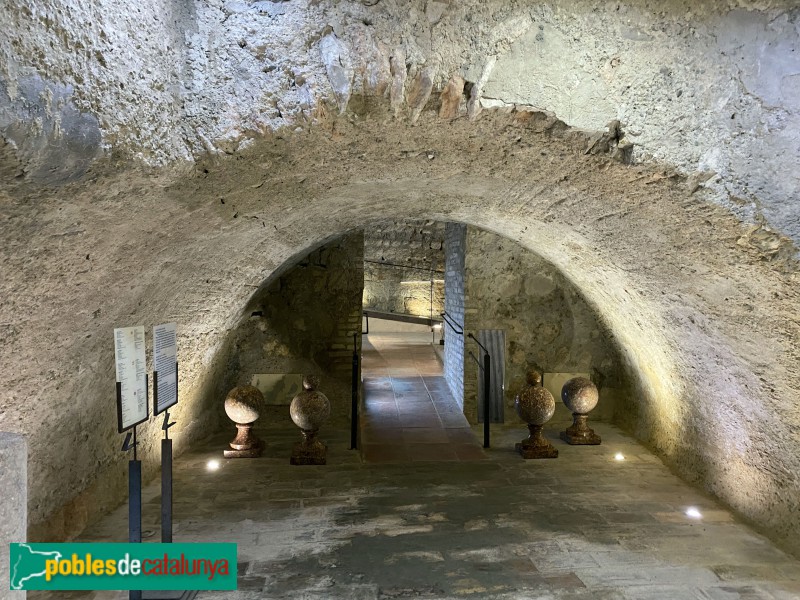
693	513
619	456
212	465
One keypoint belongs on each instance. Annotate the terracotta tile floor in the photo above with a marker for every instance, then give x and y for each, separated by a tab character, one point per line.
409	414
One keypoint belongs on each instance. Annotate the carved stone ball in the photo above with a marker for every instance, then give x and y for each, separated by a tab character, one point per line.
535	405
310	408
533	377
580	395
243	404
310	382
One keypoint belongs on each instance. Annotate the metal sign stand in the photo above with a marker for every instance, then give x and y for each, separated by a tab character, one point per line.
166	464
134	487
166	482
166	490
135	475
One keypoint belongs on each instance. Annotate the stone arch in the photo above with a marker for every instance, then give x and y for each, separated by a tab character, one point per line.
622	308
710	353
614	302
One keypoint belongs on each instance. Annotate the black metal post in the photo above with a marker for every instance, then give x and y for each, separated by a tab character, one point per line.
166	464
487	386
135	505
166	490
433	331
354	402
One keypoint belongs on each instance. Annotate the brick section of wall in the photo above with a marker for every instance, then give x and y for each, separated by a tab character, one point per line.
455	250
419	247
548	323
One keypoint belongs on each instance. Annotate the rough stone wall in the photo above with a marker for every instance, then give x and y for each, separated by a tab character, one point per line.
81	79
455	241
547	323
304	320
710	87
417	245
13	503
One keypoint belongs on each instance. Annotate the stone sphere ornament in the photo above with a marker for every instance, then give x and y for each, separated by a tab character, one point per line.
309	410
243	406
580	395
535	405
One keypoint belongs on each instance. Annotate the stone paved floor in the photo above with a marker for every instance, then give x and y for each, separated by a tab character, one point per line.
581	527
409	414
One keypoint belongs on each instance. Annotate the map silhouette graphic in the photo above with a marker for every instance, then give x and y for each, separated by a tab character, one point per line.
29	564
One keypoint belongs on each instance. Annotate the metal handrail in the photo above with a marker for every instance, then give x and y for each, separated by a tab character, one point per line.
475	358
388	264
450	321
469	335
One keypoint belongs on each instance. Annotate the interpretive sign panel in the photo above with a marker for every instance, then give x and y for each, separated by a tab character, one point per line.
132	406
165	357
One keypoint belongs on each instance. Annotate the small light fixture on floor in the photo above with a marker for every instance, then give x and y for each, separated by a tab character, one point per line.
693	513
212	465
619	456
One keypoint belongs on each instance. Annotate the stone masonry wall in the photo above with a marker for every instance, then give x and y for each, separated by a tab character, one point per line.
304	320
416	245
454	249
547	323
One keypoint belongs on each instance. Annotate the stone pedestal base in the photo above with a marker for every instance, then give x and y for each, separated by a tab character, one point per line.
245	444
255	452
536	446
579	433
310	451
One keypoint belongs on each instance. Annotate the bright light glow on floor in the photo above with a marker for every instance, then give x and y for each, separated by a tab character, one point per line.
619	456
212	465
693	513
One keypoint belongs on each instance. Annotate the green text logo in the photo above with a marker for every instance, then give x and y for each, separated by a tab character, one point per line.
123	566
